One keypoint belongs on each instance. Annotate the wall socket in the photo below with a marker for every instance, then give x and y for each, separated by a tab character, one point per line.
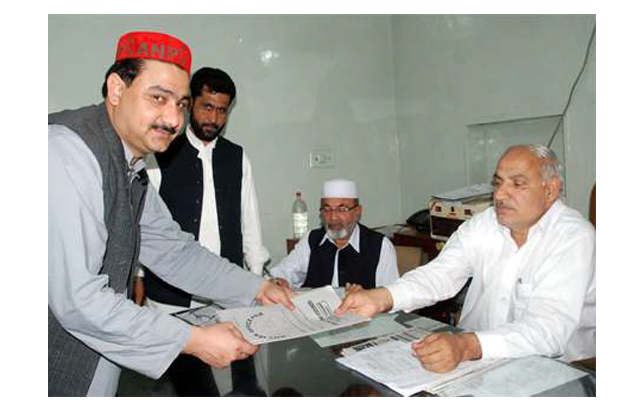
321	159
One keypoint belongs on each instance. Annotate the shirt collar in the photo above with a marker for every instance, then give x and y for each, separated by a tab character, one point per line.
354	239
199	144
543	224
134	164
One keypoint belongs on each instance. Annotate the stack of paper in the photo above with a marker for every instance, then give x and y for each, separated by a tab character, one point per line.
474	191
392	364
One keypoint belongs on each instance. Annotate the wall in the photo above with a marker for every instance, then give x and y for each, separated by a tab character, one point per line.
453	71
305	83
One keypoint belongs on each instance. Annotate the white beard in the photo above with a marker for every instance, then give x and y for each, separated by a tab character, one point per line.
342	233
339	234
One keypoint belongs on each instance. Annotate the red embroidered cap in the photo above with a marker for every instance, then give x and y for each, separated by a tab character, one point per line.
153	45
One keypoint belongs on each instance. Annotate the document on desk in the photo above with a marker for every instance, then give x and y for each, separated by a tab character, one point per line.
393	365
378	326
407	336
314	313
527	376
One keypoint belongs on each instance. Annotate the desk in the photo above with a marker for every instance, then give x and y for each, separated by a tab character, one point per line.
300	367
408	236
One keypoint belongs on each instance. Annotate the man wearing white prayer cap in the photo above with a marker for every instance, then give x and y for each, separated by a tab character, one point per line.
342	252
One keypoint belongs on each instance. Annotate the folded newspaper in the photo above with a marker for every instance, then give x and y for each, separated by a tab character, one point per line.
314	313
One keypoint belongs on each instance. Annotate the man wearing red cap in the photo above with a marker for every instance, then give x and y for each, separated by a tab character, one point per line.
104	218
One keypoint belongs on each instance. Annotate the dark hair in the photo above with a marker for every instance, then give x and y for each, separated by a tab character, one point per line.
127	69
216	80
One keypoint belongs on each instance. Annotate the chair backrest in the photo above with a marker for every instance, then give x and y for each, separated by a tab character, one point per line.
409	257
592	208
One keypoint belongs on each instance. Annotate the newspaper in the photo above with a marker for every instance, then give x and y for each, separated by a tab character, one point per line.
381	325
314	313
420	327
407	336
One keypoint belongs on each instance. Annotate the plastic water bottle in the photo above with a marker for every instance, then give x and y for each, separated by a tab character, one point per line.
300	217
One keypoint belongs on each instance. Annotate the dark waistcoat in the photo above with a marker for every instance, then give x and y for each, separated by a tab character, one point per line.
182	189
353	267
71	364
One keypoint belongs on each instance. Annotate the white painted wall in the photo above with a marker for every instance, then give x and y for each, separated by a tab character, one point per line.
453	71
390	95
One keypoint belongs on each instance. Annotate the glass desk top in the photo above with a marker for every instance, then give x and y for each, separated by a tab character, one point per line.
300	367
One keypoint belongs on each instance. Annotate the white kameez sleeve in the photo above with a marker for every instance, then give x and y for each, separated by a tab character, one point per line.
438	280
386	272
253	250
294	266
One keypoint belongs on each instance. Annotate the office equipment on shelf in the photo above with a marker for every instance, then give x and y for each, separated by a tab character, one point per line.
420	220
449	209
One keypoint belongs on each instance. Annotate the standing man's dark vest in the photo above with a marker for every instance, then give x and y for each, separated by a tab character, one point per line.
353	267
71	364
182	190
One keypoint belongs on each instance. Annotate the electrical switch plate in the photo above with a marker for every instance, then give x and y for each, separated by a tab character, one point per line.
321	159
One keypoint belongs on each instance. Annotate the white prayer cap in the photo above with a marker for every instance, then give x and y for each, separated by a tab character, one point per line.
340	188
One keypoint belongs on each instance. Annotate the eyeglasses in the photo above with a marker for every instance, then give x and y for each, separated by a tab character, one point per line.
339	209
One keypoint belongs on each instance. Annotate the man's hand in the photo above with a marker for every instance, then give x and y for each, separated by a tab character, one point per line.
270	293
218	345
366	302
138	292
352	288
442	352
281	282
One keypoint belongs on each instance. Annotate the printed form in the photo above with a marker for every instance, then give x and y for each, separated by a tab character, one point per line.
392	364
314	313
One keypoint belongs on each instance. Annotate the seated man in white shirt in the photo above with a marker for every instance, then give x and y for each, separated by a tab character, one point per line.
532	260
341	253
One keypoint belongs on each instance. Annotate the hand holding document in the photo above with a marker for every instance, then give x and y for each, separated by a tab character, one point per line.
313	313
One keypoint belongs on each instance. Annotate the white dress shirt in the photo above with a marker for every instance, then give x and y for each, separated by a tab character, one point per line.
536	299
294	267
254	252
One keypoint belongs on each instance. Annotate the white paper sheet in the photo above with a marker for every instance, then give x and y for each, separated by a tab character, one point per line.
407	336
393	365
378	326
528	376
468	192
314	313
426	323
203	316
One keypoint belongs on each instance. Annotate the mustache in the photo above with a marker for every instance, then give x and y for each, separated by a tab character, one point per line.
209	124
166	128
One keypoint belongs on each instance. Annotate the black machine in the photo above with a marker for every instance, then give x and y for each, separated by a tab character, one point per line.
420	220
